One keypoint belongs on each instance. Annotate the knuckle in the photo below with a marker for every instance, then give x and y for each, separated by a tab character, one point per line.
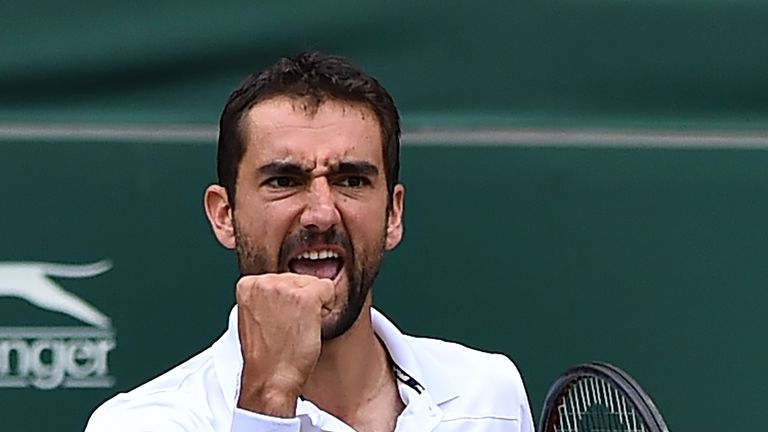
243	287
302	281
298	298
267	279
252	285
244	282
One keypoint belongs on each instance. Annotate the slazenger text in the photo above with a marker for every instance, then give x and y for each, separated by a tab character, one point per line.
50	357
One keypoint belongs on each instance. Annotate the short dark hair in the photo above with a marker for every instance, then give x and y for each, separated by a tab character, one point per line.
316	78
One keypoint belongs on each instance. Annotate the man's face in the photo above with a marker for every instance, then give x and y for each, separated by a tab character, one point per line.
311	198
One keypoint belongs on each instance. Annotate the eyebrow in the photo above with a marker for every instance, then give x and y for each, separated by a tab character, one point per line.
284	169
279	168
356	167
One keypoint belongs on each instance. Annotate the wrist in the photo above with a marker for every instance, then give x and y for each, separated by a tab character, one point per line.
268	398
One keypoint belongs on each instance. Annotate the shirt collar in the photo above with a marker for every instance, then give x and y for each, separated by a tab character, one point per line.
416	361
412	358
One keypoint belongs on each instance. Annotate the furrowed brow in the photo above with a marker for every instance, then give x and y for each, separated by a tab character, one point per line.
356	168
273	169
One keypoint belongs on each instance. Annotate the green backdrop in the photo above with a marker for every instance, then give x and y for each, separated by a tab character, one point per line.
632	245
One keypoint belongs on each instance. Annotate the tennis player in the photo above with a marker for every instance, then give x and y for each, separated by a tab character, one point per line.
309	198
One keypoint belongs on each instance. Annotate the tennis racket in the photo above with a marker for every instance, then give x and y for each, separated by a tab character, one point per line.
600	397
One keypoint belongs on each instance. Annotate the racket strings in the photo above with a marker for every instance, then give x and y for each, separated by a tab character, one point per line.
592	404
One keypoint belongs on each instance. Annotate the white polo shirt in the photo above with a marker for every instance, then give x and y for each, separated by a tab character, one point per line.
445	387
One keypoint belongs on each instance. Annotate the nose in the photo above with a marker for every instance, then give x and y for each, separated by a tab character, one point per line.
320	211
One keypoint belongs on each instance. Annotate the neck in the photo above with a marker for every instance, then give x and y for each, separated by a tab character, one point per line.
353	378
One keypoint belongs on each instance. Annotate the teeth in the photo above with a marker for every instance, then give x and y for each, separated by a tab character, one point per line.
316	255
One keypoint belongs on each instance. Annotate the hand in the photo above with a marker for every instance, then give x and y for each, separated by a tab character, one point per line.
279	321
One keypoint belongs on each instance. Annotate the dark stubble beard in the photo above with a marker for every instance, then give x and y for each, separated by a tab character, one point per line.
253	260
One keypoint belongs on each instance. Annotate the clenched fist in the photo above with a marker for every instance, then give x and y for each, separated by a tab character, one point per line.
280	320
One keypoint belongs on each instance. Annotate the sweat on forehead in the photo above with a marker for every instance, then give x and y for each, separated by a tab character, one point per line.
277	114
280	130
310	104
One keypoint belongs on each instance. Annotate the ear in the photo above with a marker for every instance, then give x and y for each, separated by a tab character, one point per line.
219	214
395	218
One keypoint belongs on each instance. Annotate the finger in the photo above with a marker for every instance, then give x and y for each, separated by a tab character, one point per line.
326	292
302	281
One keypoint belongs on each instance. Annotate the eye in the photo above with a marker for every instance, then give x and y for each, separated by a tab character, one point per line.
281	182
354	182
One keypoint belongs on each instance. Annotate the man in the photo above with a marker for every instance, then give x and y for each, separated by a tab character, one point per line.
308	196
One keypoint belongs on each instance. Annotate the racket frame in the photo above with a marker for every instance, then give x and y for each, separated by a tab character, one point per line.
621	381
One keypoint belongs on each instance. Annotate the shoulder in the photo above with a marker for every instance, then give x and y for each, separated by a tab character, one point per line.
489	385
179	400
476	370
467	381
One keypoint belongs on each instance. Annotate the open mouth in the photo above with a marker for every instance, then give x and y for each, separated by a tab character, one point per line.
321	263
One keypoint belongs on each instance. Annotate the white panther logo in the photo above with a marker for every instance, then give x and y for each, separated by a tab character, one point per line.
29	281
